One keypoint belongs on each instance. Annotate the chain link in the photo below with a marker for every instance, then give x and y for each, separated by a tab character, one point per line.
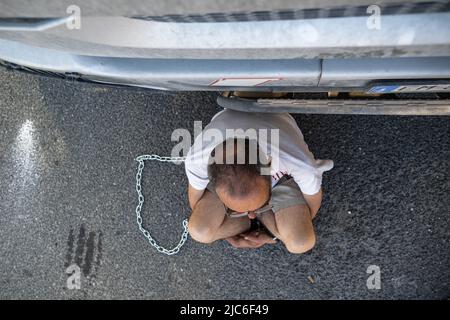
141	199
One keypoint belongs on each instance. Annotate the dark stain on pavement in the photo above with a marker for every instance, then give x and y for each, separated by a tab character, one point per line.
88	252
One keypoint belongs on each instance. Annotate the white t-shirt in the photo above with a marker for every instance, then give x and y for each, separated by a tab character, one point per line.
289	156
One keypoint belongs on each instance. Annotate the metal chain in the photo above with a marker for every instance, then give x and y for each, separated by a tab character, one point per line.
145	232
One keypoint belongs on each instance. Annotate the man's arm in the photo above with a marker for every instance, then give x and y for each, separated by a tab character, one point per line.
194	196
314	201
208	221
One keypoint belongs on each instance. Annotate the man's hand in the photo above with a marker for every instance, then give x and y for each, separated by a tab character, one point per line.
254	239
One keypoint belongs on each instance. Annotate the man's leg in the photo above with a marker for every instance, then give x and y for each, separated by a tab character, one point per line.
208	221
291	220
293	226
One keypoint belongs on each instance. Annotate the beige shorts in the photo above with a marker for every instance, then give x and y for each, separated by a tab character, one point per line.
285	194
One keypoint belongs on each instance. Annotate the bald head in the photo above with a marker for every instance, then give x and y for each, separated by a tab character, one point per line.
238	182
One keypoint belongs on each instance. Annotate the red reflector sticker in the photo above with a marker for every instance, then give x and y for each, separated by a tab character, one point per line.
242	82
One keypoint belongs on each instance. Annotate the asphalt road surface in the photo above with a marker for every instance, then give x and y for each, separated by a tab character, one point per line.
67	197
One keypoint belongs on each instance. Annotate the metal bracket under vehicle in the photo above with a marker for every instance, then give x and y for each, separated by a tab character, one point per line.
372	106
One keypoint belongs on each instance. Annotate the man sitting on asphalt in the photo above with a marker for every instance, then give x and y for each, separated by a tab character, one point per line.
251	190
